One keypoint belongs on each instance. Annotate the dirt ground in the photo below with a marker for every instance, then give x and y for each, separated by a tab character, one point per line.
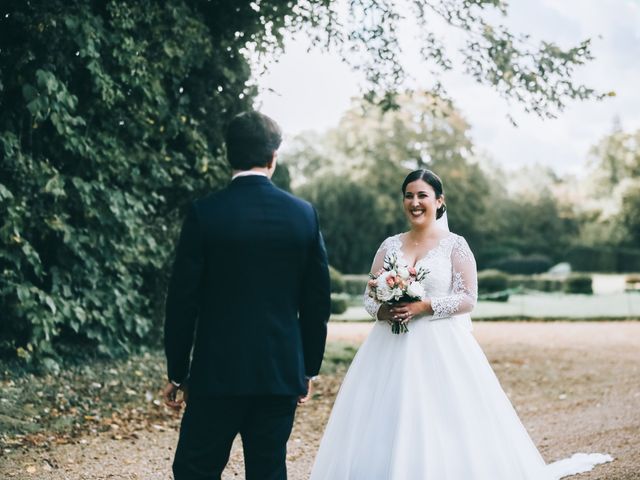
575	385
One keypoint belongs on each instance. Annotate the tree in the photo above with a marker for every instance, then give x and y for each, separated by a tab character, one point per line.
350	220
614	158
367	33
374	150
111	120
630	213
609	190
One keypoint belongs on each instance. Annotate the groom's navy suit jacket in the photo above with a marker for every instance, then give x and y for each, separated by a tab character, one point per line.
250	291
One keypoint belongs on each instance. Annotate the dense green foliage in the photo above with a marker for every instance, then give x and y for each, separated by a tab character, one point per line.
350	218
111	117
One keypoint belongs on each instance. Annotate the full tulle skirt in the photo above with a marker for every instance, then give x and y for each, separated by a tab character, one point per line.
426	405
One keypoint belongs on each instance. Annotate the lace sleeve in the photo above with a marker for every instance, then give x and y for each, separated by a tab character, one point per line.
464	283
372	305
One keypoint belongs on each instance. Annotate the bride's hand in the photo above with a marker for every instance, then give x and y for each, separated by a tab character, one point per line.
403	312
384	313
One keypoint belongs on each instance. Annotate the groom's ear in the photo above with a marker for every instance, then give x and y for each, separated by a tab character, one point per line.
274	161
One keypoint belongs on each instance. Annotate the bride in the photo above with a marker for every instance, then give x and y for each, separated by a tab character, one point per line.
426	405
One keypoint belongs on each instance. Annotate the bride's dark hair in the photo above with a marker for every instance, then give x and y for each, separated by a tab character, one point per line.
432	179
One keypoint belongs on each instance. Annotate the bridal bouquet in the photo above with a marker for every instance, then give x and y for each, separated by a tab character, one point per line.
395	283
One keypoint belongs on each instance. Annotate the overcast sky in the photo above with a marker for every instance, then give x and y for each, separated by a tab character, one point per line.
309	91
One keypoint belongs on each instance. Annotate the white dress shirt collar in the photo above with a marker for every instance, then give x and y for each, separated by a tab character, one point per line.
247	173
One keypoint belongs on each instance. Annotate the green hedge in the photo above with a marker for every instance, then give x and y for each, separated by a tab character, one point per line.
541	283
579	283
339	303
337	281
491	281
355	284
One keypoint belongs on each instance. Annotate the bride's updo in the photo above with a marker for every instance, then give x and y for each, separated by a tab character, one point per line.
432	179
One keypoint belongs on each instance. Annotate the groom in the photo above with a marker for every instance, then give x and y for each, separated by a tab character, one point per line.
250	294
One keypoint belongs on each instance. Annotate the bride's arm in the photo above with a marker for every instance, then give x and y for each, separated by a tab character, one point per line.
375	308
464	288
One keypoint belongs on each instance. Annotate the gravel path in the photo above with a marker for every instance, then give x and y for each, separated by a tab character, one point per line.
576	386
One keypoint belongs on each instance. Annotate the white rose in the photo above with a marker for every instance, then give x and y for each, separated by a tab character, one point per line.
415	290
397	293
382	278
384	293
403	272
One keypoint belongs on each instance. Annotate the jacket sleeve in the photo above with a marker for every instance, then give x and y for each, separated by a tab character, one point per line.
464	283
315	305
182	298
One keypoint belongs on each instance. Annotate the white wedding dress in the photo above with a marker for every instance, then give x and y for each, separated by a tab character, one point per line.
426	405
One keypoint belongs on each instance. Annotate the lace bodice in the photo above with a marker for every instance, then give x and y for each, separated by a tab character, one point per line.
451	283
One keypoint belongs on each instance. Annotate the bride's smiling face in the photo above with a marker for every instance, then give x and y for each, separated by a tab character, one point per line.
420	203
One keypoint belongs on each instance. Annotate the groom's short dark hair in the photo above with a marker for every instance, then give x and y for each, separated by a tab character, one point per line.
251	140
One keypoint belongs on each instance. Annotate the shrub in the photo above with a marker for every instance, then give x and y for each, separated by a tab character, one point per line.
579	283
541	283
355	284
339	303
337	281
490	281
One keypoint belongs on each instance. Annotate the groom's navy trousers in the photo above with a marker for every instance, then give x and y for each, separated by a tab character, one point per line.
246	323
211	423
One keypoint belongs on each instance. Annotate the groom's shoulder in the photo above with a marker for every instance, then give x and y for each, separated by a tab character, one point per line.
297	201
211	199
220	198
